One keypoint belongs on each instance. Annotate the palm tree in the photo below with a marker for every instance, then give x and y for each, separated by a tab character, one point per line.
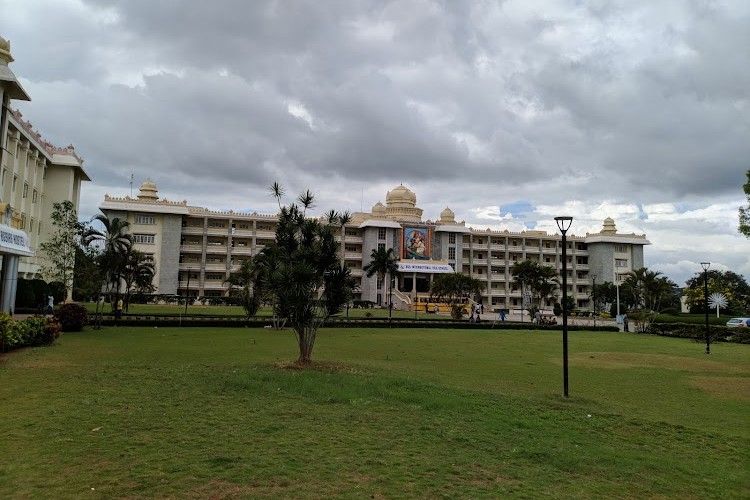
115	242
383	262
242	284
344	218
138	274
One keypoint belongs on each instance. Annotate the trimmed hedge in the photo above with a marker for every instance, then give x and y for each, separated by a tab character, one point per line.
29	332
698	332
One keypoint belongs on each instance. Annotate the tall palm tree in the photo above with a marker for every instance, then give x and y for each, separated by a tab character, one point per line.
344	218
115	243
383	262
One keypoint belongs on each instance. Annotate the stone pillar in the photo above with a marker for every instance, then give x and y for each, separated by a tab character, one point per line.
9	277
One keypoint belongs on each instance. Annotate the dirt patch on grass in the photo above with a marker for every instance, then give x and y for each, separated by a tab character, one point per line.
724	387
619	360
320	366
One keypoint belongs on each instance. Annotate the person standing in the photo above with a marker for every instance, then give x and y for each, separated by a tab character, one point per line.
625	322
118	308
50	304
502	314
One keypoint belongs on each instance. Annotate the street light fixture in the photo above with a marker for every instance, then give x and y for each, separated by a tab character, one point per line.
593	294
563	224
705	266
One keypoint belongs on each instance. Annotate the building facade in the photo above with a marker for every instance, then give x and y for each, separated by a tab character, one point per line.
195	249
34	174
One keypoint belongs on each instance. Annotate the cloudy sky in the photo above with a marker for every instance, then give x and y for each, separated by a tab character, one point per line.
509	112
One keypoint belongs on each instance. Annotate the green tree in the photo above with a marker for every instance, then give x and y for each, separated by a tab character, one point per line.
304	254
603	294
87	281
242	283
60	249
456	289
538	280
114	243
137	274
732	285
745	211
383	263
646	293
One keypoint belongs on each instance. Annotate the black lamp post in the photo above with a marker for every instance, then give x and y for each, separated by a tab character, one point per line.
390	298
593	295
564	223
705	266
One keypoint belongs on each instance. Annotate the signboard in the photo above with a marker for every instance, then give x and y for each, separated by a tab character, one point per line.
408	267
14	241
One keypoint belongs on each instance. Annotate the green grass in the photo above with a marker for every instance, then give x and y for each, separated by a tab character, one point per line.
150	309
202	413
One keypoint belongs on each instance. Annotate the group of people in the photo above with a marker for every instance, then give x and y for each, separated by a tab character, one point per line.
540	319
476	310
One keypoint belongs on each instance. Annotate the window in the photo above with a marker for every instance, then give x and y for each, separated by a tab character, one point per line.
379	284
146	239
23	221
381	246
25	189
44	176
39	228
451	253
15	181
621	249
216	224
452	238
265	227
31	225
33	197
621	263
5	171
214	276
381	233
145	219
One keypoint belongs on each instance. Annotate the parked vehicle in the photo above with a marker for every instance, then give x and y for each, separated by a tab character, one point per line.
739	322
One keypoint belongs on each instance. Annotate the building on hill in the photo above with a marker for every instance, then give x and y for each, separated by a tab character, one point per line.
195	249
34	174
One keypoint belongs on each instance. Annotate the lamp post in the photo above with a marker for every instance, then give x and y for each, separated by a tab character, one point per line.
593	295
390	298
563	224
705	266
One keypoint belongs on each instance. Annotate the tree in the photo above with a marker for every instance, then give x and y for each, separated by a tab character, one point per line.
383	263
114	243
87	281
646	293
538	280
304	257
60	249
137	274
456	289
241	284
603	294
745	211
732	285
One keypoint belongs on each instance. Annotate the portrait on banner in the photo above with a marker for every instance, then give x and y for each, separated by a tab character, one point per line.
416	243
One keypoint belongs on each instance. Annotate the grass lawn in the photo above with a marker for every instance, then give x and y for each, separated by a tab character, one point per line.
146	309
218	413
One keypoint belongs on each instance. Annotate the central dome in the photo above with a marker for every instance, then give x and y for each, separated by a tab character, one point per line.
401	197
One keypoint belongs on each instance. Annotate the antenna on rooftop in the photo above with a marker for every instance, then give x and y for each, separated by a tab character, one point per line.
131	185
362	201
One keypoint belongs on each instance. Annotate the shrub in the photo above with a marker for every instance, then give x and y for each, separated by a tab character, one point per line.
72	317
670	312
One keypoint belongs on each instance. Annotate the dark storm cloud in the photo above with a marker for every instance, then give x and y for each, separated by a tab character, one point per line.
473	105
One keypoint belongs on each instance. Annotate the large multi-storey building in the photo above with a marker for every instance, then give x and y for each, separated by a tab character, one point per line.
195	249
34	174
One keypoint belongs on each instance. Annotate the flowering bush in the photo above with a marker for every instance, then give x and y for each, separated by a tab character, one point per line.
72	317
34	331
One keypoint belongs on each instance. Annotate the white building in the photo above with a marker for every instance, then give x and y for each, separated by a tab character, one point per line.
34	175
195	249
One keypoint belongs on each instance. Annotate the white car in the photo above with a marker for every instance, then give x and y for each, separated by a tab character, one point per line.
739	322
